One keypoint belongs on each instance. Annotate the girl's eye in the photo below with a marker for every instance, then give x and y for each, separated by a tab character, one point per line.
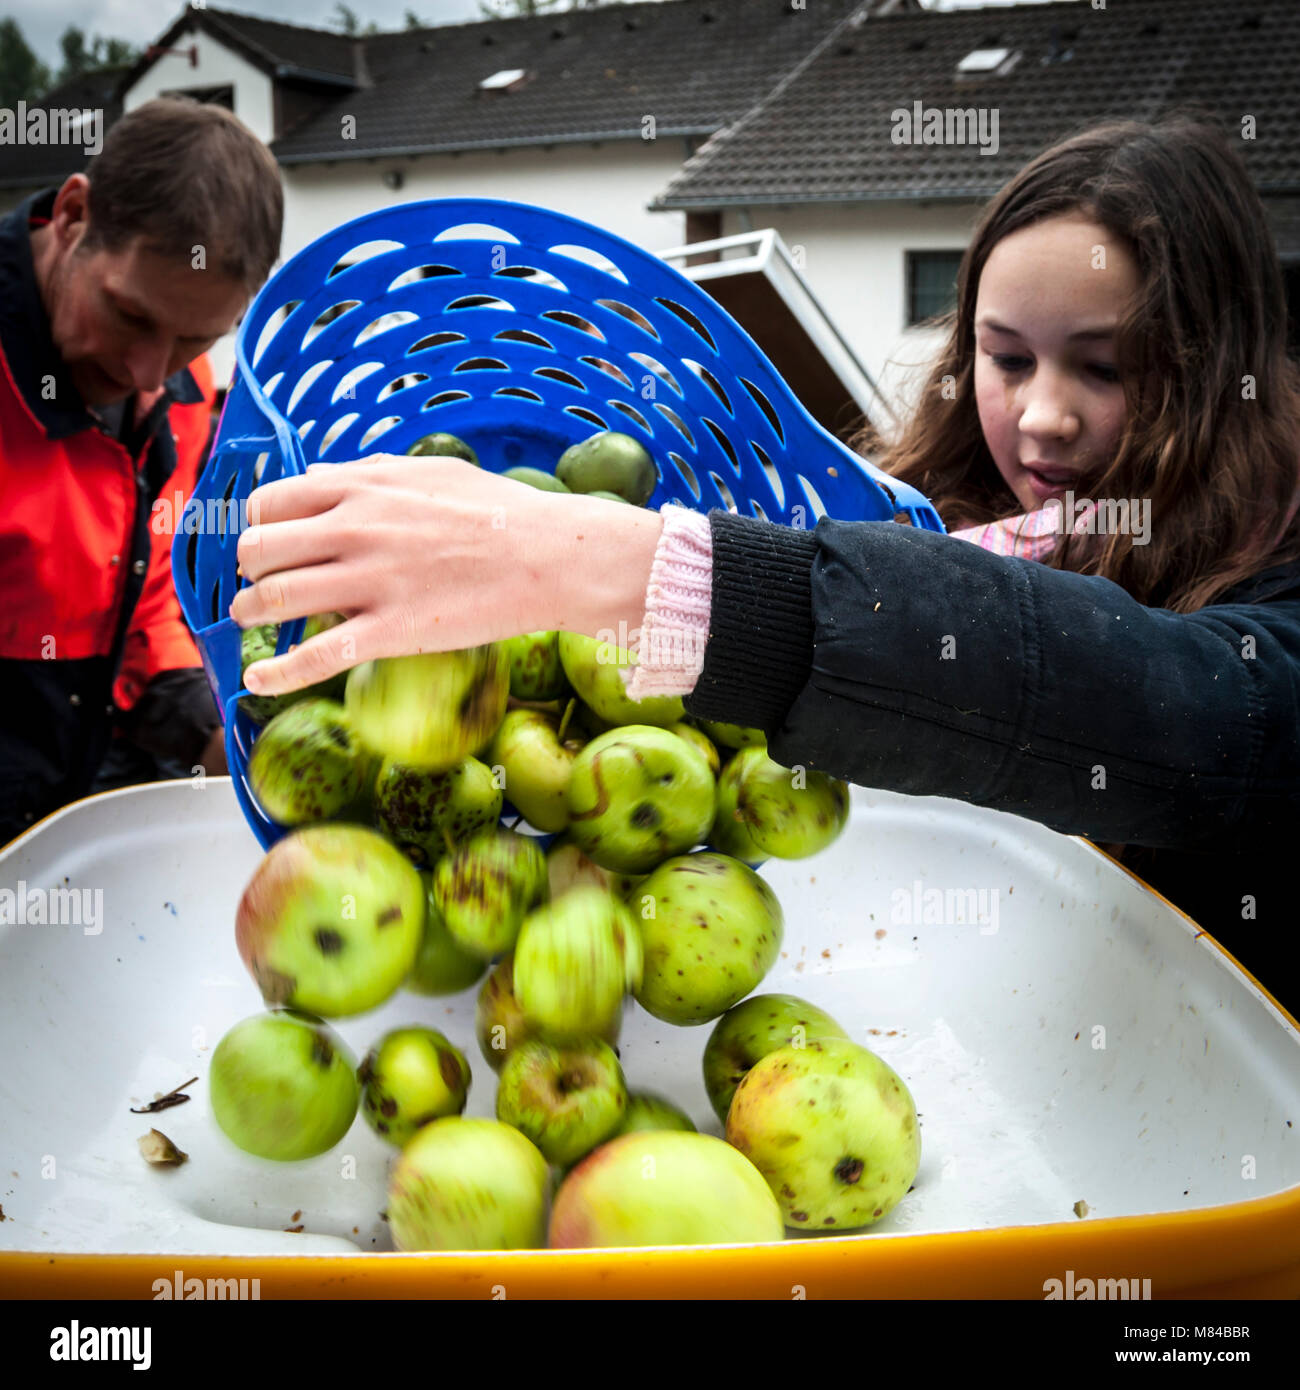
1017	364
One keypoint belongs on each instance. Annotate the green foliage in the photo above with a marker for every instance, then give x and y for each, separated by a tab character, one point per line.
23	77
515	9
80	57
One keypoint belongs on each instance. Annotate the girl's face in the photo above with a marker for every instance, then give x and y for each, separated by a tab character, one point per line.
1050	401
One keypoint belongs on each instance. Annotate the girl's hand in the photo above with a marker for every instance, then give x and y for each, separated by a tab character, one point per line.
431	554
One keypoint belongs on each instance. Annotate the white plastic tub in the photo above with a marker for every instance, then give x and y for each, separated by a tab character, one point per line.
1077	1042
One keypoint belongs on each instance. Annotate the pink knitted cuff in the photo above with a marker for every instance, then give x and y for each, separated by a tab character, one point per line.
678	600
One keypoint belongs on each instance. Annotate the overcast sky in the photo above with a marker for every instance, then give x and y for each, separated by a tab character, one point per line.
141	21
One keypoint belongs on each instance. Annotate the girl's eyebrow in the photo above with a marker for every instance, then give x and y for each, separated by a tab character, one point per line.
1089	334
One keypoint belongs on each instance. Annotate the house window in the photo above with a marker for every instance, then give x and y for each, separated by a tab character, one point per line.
215	96
931	284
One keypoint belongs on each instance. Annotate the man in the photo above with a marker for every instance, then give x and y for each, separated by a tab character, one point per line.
109	287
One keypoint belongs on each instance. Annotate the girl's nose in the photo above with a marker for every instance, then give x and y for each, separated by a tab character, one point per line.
1049	412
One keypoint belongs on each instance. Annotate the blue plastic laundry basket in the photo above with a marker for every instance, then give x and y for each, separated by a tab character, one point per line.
522	331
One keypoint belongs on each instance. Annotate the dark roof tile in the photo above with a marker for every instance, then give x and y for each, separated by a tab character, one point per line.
612	67
826	135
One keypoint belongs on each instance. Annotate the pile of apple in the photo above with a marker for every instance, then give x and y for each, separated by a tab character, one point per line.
397	872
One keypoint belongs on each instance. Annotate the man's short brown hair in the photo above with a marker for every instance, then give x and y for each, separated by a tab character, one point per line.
181	174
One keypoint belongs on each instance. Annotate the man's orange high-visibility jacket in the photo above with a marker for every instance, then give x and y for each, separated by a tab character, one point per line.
91	633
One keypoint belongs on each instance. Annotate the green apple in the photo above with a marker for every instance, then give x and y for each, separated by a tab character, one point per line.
331	920
733	735
468	1184
361	809
535	670
442	966
443	446
575	961
487	886
832	1128
307	764
567	867
258	644
637	796
699	739
787	812
535	477
431	710
665	1187
565	1097
729	834
427	813
585	723
537	766
647	1111
283	1086
593	670
746	1033
609	462
710	930
499	1022
410	1077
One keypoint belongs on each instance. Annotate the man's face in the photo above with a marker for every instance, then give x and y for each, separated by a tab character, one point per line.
123	321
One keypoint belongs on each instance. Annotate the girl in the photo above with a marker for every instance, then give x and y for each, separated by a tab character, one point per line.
1129	671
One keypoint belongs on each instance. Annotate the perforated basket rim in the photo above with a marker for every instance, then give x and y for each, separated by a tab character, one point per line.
381	225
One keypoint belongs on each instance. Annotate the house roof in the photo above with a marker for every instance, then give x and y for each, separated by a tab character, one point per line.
592	74
31	166
825	135
694	65
277	49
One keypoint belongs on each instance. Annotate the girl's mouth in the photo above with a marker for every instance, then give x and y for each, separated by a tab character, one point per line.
1048	482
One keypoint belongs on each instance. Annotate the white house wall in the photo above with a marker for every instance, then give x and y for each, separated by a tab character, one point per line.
218	67
608	184
853	258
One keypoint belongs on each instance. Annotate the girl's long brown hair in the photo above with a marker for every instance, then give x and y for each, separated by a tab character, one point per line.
1218	457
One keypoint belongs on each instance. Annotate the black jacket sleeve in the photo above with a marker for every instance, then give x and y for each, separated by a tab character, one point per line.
903	659
175	716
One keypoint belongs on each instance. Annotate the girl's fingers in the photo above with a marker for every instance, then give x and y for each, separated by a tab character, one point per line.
306	494
327	654
283	546
295	593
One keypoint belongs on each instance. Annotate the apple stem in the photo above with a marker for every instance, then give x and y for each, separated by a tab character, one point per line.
564	722
173	1097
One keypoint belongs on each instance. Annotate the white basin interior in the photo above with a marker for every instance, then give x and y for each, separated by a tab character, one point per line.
996	1025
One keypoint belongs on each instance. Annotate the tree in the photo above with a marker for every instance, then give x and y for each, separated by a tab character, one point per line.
115	53
514	9
80	57
23	77
77	58
511	9
346	18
